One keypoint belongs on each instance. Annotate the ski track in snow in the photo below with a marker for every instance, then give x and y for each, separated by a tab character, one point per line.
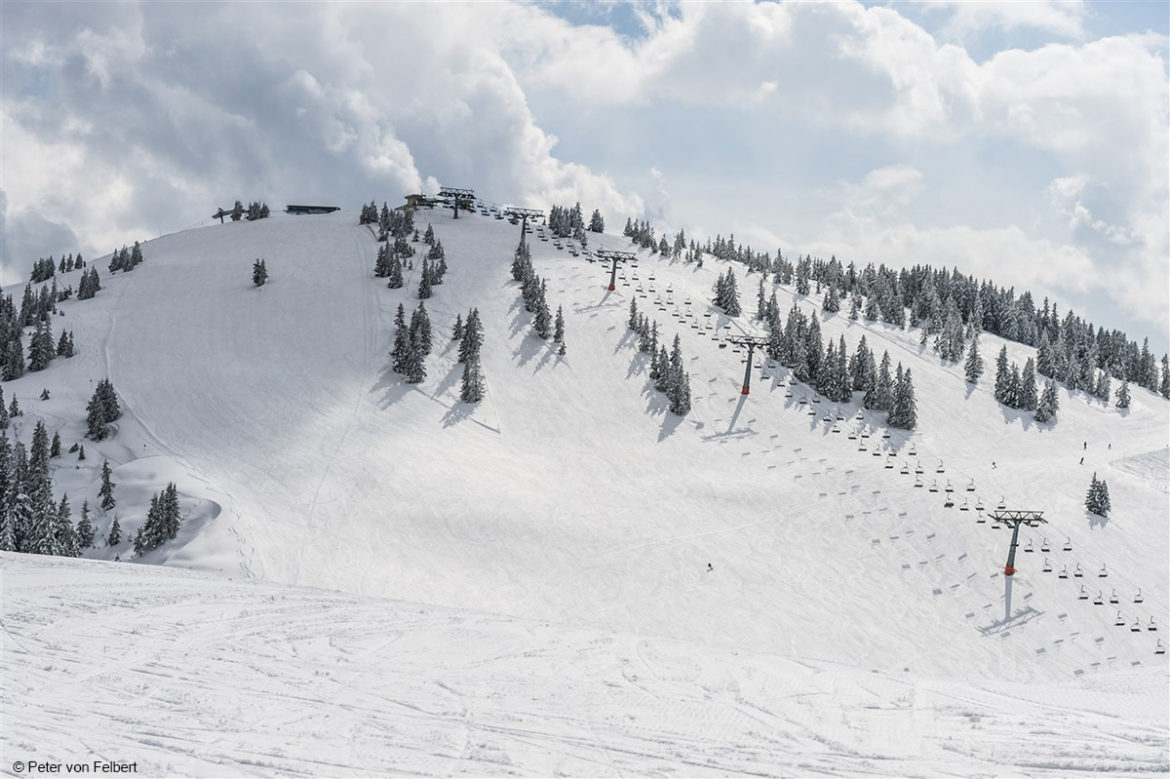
192	674
570	497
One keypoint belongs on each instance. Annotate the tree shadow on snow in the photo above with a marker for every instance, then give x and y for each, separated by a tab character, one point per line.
392	386
1096	520
670	423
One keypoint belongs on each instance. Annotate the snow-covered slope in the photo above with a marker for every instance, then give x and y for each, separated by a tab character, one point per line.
189	674
569	495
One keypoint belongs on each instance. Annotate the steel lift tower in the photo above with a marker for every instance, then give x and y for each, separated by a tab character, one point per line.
751	342
1014	519
459	197
615	257
524	213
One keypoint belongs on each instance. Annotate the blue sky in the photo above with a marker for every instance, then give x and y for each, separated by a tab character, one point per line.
1023	142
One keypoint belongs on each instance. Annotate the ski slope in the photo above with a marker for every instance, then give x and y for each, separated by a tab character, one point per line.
570	496
191	674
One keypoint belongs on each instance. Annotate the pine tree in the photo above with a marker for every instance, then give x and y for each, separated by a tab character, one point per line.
632	321
457	332
106	493
95	420
401	341
394	273
882	397
973	368
1026	398
65	535
469	346
596	223
84	528
1097	499
115	535
904	410
1049	403
424	282
662	376
559	326
1164	387
259	273
1123	394
420	330
55	446
8	488
81	452
543	319
1002	377
472	389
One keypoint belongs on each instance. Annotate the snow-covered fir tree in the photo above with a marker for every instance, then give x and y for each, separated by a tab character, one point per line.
903	409
973	367
106	493
84	528
1097	499
1048	404
259	273
114	537
420	330
596	223
1123	394
559	326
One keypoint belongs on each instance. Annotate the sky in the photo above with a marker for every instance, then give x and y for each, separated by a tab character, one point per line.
1021	142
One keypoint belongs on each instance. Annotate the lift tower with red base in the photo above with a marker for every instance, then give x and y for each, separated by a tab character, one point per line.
615	257
1014	519
524	213
751	342
460	198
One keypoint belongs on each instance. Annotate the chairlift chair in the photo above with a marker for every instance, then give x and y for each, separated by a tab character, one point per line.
1028	546
886	434
980	519
1063	572
1002	504
949	503
1083	595
917	482
934	486
905	469
1159	649
913	451
1044	545
1136	627
979	504
964	507
1138	598
971	486
1099	600
1119	621
1103	573
1047	566
918	469
1067	544
1077	572
939	468
1113	598
949	488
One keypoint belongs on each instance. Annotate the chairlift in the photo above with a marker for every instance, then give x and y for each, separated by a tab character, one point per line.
1136	627
886	434
1138	598
1002	504
1159	649
865	435
949	503
1113	598
971	486
840	418
1067	544
939	468
1083	595
913	451
1078	572
964	507
979	506
826	418
889	465
934	486
980	519
835	429
918	469
859	416
905	469
877	453
1063	573
862	448
1047	566
1099	600
1028	546
1044	545
949	488
917	482
1103	573
1119	621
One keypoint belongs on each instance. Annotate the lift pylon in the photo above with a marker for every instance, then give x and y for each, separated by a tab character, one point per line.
524	213
751	342
615	257
464	198
1014	519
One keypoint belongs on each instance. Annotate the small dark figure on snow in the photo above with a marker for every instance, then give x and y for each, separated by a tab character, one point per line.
1082	461
1085	445
710	567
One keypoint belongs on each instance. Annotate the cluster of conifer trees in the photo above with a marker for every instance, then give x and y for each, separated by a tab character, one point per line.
533	290
411	344
162	521
1097	499
36	311
44	268
103	409
259	273
950	306
397	223
469	334
667	370
727	294
569	222
126	259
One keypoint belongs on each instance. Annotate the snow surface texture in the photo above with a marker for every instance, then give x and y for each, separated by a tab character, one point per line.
570	495
190	674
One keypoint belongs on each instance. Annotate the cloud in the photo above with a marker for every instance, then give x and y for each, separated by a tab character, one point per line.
1064	18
